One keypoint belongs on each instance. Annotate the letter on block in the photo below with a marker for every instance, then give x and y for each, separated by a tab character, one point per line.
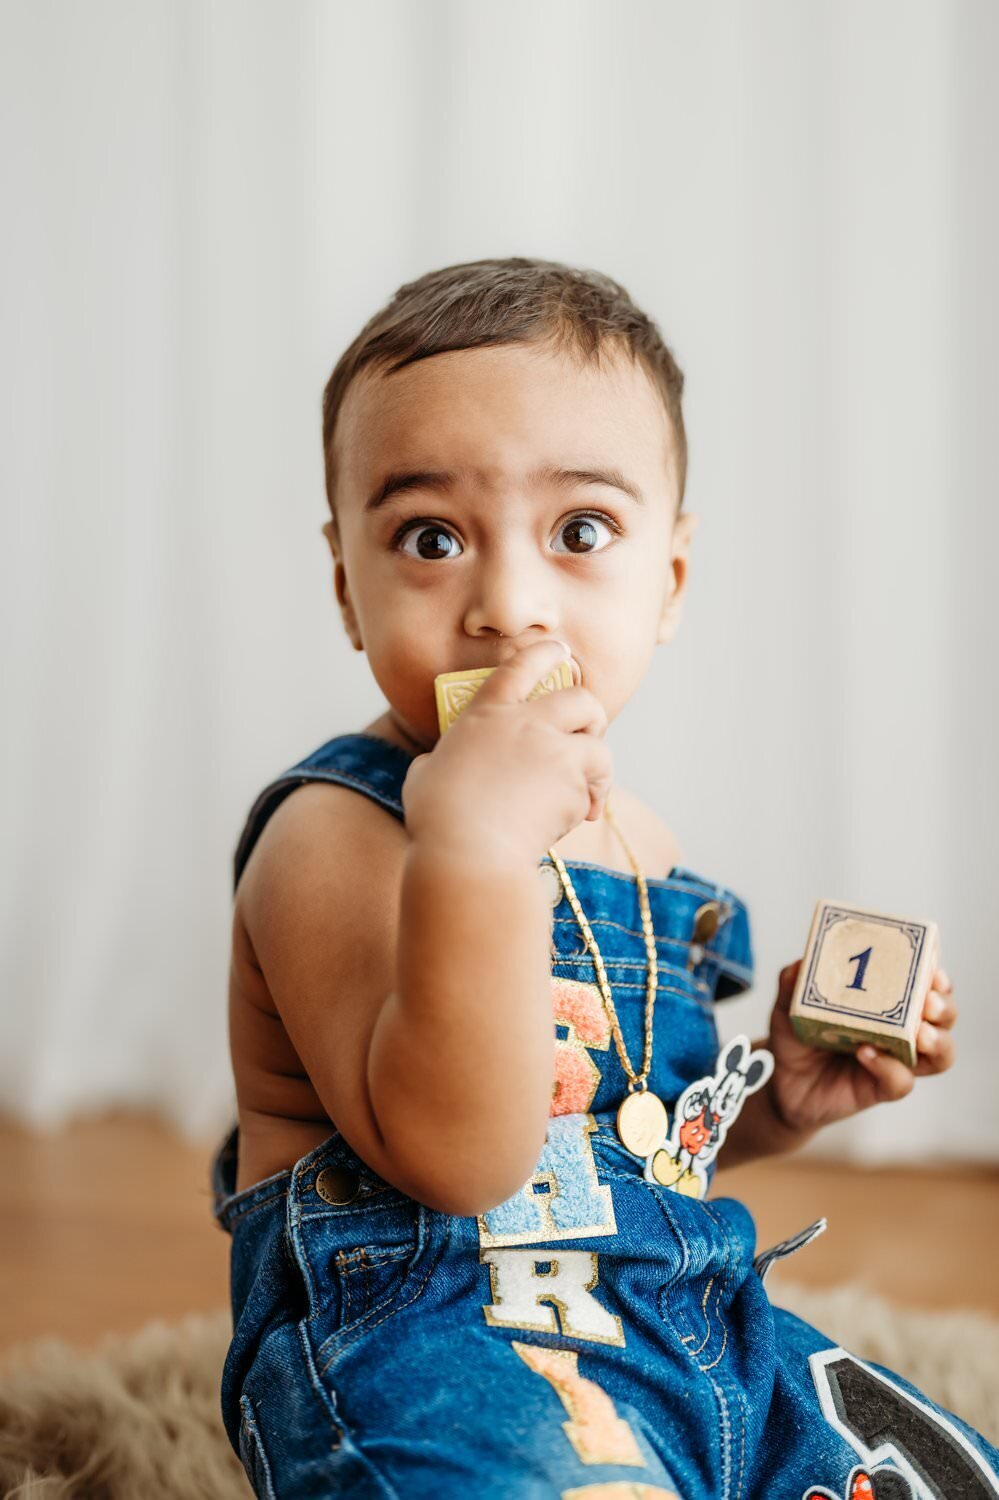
864	978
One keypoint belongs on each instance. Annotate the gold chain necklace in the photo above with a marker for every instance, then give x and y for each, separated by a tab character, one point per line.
641	1118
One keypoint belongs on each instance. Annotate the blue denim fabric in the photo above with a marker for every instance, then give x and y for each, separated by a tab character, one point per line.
597	1337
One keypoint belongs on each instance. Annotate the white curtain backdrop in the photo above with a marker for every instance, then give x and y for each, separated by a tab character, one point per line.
201	205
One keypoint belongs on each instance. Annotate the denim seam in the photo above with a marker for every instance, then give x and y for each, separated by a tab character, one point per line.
336	1213
635	932
639	965
673	971
251	1208
706	1315
257	1444
351	1260
667	882
327	1396
726	1439
309	774
725	1274
363	1325
726	1283
702	1002
719	1393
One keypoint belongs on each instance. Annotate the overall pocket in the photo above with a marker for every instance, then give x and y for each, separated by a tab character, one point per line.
363	1258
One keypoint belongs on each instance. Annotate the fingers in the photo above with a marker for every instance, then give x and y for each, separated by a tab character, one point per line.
522	669
599	771
940	1009
935	1048
786	983
940	1006
942	982
572	710
892	1078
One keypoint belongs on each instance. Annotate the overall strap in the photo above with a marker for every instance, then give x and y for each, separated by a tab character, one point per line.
362	761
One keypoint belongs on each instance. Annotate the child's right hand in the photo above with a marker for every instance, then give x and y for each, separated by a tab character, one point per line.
511	776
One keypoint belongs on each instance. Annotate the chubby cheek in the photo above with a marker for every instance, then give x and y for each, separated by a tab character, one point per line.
404	663
614	666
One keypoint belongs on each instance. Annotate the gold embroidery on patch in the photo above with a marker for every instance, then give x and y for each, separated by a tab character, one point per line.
578	1006
543	1188
595	1430
619	1489
521	1294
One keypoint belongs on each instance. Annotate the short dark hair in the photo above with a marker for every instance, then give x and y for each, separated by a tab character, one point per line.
517	300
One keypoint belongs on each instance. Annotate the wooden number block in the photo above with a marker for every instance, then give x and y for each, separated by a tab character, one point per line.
455	690
864	978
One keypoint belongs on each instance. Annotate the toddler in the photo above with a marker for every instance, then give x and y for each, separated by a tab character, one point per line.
473	985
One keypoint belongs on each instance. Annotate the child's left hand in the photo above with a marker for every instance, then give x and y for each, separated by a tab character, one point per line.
811	1087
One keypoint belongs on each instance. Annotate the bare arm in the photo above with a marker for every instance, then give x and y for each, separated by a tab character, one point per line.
410	965
414	987
461	1061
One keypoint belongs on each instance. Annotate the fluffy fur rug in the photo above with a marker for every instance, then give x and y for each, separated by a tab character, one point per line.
138	1418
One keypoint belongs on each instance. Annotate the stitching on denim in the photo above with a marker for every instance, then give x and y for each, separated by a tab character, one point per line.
223	1201
315	773
627	984
327	1396
725	1271
635	932
244	1213
613	961
702	1002
300	1254
724	1343
257	1444
362	1325
726	1440
740	1398
724	1275
583	955
727	1284
353	1260
707	1323
671	883
335	1213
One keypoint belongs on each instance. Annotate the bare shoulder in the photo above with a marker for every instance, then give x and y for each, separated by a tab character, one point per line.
653	840
322	834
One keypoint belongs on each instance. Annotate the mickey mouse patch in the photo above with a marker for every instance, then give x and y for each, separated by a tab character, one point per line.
703	1114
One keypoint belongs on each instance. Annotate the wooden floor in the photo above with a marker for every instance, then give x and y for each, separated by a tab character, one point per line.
108	1225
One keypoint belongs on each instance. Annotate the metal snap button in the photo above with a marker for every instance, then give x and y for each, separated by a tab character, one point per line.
337	1184
707	920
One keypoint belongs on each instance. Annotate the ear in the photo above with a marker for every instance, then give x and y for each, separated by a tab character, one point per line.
332	534
733	1057
683	529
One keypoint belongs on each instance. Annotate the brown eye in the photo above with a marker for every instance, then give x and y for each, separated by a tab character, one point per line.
582	533
431	543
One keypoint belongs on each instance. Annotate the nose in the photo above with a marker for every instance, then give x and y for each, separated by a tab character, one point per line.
511	595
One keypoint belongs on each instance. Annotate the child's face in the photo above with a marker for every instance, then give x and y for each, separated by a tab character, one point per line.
489	547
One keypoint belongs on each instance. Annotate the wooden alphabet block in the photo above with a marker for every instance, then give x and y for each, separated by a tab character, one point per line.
455	690
864	978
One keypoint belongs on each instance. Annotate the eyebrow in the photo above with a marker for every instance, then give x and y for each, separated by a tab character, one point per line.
549	474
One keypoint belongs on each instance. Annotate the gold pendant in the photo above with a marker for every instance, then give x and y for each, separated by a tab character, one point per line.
642	1122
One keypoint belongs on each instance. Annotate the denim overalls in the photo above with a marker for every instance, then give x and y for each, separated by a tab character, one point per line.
598	1336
